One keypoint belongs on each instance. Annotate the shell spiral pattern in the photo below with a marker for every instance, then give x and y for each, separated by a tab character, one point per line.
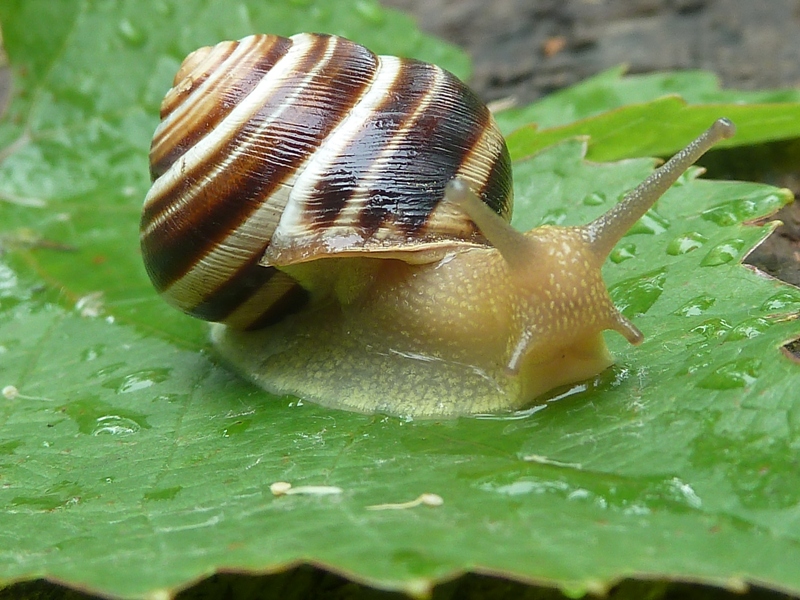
312	144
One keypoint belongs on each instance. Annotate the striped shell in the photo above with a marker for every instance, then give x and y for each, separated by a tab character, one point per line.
309	146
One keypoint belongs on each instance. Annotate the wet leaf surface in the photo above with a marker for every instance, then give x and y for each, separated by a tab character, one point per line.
122	442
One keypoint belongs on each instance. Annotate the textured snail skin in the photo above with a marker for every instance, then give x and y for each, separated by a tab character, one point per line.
438	339
430	310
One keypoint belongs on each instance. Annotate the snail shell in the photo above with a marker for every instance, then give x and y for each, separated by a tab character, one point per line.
307	147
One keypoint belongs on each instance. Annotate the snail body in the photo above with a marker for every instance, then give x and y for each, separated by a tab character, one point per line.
343	218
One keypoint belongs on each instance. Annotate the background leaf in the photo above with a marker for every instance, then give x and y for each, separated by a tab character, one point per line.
609	90
660	127
131	464
648	115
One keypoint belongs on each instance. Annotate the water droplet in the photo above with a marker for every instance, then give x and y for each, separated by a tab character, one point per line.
635	296
164	493
172	397
108	370
623	252
737	211
786	298
711	329
138	380
134	36
723	253
115	425
91	305
683	244
8	282
594	199
727	214
748	329
696	306
735	374
93	352
627	496
95	417
370	12
682	493
236	428
554	217
651	223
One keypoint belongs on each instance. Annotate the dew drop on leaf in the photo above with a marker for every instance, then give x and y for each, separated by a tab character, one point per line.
137	381
107	370
748	329
696	306
622	252
683	244
723	253
594	199
93	352
729	213
635	296
95	417
742	209
556	216
787	298
236	428
115	425
735	374
651	223
164	9
712	328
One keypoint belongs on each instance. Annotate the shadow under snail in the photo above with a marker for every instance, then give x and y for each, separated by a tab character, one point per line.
343	218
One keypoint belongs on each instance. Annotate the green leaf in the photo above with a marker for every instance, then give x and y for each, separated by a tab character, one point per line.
609	90
131	464
648	115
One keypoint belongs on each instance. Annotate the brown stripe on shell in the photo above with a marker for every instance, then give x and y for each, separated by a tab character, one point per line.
238	287
254	297
391	206
497	191
345	176
426	159
294	299
219	204
173	248
427	148
194	71
200	115
198	179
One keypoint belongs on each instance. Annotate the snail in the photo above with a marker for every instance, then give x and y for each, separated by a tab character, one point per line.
343	219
